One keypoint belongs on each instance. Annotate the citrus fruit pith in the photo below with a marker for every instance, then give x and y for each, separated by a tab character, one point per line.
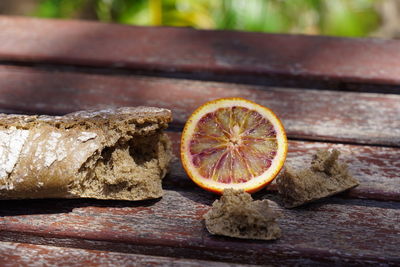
233	143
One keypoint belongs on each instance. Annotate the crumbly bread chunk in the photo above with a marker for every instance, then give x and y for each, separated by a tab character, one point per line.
237	215
325	177
118	153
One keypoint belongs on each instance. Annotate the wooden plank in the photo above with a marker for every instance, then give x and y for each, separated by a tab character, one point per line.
339	231
377	168
308	114
276	59
22	254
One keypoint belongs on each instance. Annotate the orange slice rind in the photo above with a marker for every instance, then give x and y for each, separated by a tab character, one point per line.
233	143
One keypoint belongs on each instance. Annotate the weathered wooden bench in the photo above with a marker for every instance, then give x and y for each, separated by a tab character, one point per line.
329	93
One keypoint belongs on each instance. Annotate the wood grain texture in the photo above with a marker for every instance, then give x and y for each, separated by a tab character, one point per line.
377	168
346	230
336	231
309	114
22	254
276	59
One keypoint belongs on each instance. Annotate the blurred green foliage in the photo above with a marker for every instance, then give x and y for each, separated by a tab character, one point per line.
328	17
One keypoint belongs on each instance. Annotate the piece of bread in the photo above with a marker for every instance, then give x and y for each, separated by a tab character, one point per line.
235	214
117	153
325	177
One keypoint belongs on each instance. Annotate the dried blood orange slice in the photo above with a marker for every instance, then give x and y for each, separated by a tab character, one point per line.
233	143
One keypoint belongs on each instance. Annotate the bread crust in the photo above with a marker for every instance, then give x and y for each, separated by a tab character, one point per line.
116	153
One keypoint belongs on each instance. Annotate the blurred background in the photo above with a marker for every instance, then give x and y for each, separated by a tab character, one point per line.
351	18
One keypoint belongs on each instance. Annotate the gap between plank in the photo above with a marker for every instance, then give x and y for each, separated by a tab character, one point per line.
275	81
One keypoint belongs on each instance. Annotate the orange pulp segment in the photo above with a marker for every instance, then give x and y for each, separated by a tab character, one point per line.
233	143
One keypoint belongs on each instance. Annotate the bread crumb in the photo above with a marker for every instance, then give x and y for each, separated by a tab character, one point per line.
325	177
235	214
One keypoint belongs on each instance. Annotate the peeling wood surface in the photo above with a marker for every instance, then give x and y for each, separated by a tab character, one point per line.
333	231
377	168
309	114
359	227
277	58
22	254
